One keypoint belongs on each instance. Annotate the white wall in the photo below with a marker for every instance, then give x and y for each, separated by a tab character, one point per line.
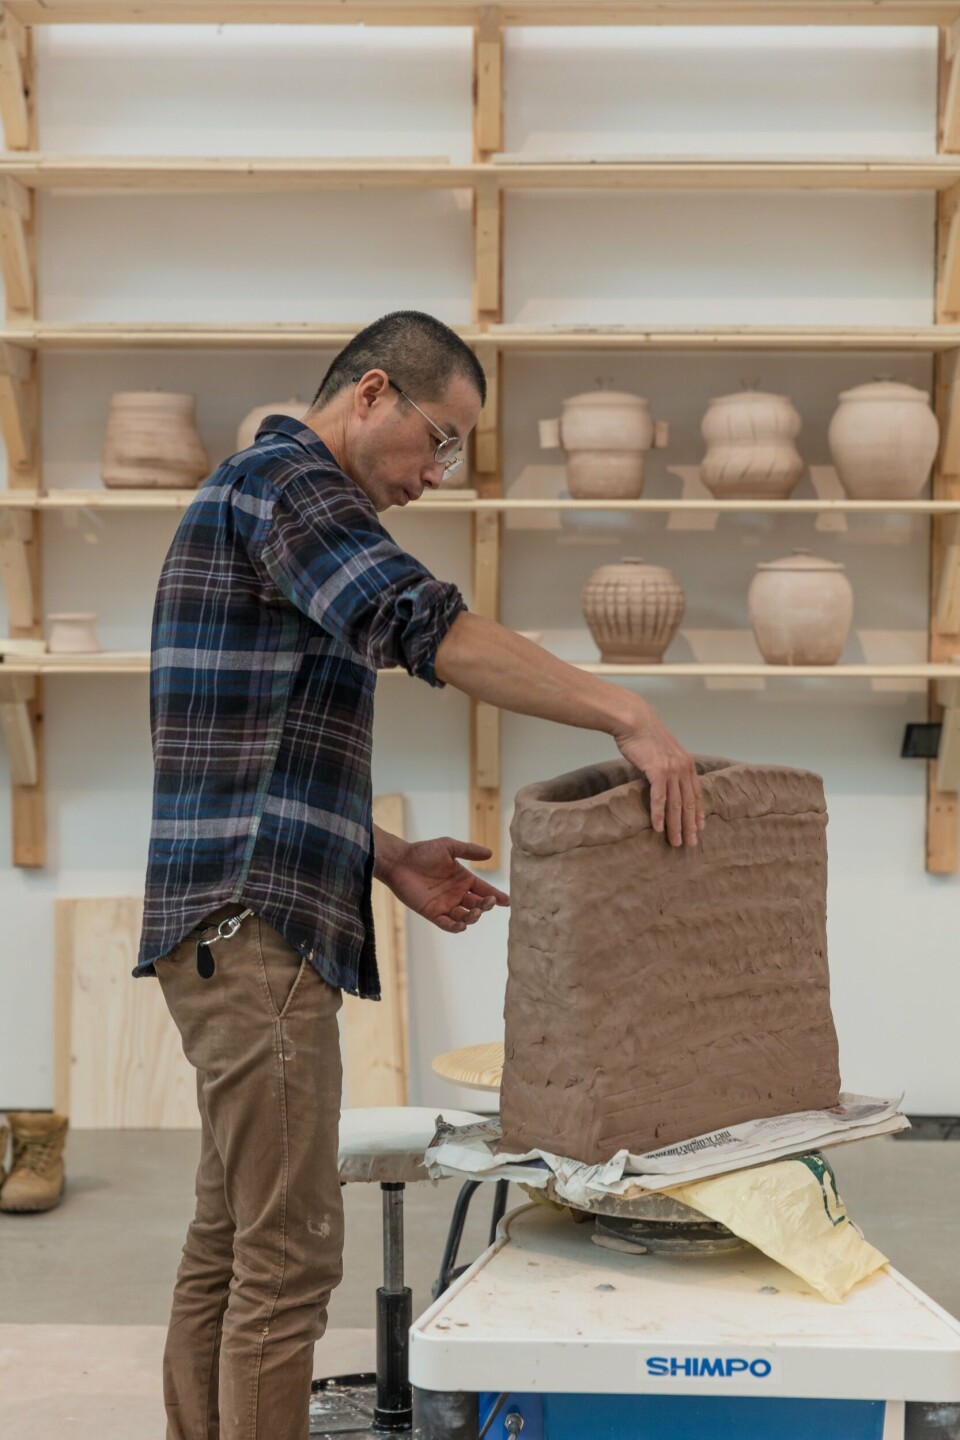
658	258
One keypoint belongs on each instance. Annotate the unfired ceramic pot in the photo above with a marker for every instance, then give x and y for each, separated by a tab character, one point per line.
800	610
73	634
883	439
750	447
633	610
606	434
152	442
251	422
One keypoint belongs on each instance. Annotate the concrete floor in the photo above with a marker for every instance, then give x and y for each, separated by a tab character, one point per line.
108	1255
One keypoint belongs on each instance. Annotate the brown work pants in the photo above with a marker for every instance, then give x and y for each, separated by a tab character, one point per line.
263	1252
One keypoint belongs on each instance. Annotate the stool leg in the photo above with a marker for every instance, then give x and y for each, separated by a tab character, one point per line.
454	1235
499	1207
394	1317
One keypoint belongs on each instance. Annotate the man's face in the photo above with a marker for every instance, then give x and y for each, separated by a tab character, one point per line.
391	445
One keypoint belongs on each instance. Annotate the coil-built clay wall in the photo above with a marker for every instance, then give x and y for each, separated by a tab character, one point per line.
656	993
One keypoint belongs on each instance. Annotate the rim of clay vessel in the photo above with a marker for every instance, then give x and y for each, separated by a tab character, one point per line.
886	390
800	560
601	398
121	398
74	615
747	394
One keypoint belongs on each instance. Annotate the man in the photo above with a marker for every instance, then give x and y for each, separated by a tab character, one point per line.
280	599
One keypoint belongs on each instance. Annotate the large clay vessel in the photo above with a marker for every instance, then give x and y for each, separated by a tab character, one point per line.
750	447
800	610
606	434
633	610
654	993
883	438
251	422
152	442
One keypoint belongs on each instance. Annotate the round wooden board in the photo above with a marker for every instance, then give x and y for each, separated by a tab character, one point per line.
477	1067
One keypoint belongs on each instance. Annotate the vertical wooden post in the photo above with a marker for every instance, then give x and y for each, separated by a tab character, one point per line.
942	806
19	419
485	808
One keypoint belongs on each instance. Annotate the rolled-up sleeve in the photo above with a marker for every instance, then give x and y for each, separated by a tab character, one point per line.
327	554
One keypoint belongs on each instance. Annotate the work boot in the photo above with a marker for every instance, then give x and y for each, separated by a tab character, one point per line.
4	1141
36	1180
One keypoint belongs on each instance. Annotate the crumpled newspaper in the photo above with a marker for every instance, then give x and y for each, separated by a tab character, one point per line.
470	1152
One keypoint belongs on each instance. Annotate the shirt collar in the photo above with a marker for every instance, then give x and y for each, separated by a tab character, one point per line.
295	430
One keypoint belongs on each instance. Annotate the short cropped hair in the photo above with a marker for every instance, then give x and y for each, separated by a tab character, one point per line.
417	351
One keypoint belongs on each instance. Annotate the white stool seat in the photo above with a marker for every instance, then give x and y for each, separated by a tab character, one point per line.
386	1145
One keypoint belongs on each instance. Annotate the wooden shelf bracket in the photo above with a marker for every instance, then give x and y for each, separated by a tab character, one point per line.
18	534
16	727
18	408
16	251
14	83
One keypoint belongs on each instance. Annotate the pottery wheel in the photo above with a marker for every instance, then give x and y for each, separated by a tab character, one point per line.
664	1237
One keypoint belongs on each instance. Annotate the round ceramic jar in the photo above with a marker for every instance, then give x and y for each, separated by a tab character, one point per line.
801	609
251	422
152	442
606	434
883	438
633	610
73	634
750	446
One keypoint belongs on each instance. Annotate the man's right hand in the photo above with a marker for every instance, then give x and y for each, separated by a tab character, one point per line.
676	795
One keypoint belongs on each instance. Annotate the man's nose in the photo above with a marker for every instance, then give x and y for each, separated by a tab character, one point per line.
432	475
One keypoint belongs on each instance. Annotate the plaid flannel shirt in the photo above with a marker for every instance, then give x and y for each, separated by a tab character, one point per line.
280	598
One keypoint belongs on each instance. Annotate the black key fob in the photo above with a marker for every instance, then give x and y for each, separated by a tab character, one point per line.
205	961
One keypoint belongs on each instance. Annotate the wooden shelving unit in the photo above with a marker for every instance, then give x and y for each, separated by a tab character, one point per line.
25	171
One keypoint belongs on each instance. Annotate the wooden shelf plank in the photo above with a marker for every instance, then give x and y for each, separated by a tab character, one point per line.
506	338
467	502
468	12
138	662
931	338
42	171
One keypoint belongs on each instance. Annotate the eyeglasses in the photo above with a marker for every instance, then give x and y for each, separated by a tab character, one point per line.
449	451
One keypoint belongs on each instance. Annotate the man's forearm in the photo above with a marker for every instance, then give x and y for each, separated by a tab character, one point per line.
387	850
489	662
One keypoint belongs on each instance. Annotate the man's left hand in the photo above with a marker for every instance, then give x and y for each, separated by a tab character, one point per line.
428	877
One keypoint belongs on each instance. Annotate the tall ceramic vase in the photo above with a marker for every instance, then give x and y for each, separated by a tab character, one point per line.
751	453
152	442
633	610
883	438
606	434
801	609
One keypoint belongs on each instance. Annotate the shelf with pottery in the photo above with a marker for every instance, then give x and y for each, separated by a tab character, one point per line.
470	12
274	174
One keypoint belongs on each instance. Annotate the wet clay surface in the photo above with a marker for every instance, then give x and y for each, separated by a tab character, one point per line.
655	994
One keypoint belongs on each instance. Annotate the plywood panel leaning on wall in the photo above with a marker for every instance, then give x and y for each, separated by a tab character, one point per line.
655	994
118	1062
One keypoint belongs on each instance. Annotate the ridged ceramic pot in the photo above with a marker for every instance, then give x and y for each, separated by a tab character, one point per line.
750	446
606	434
801	609
883	438
251	422
633	610
152	442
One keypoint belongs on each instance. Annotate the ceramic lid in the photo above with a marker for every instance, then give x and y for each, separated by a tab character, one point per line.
743	395
601	398
886	390
799	560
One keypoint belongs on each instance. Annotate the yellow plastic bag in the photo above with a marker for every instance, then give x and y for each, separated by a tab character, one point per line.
791	1211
